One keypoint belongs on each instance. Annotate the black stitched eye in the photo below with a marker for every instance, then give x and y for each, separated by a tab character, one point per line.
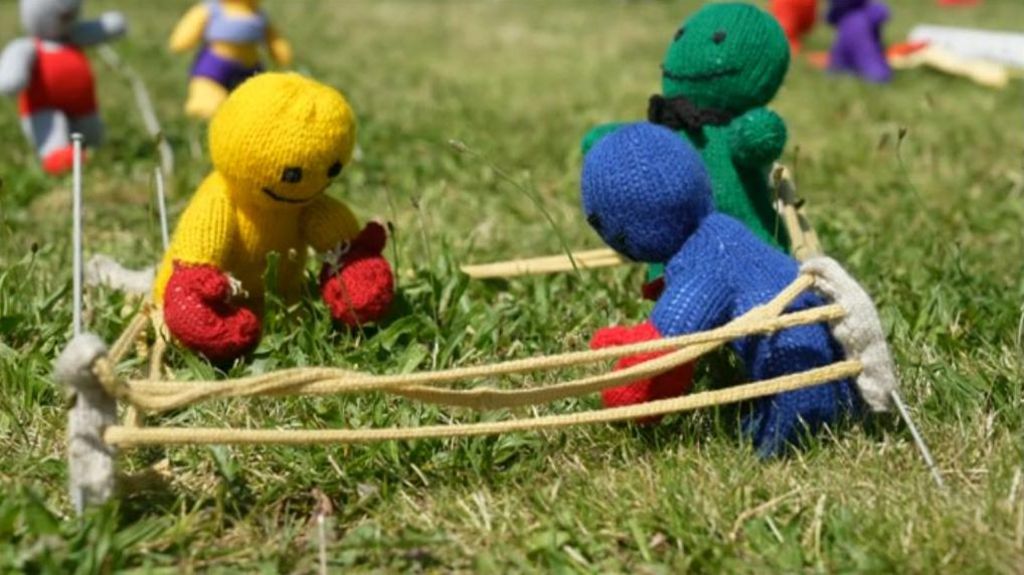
291	175
595	221
334	170
718	37
679	33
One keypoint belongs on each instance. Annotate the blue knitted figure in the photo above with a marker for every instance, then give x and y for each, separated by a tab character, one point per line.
647	193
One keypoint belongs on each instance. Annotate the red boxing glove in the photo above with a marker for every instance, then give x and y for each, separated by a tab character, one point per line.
197	313
359	287
673	383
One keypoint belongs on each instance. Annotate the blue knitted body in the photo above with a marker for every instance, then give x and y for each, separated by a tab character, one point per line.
647	194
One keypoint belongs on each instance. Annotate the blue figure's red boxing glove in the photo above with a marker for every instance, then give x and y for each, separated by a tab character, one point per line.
197	311
672	383
360	286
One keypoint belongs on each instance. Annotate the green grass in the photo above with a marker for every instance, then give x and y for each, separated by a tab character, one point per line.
931	224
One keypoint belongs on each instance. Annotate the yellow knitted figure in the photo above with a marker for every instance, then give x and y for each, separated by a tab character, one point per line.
277	143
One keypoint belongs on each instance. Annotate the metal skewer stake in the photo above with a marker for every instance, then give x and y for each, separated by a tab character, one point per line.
918	439
76	231
161	203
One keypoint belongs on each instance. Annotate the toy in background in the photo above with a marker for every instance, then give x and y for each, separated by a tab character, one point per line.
229	34
647	195
797	18
276	144
858	48
53	79
724	65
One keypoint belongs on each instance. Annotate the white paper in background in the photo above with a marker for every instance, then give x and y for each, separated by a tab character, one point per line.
1006	48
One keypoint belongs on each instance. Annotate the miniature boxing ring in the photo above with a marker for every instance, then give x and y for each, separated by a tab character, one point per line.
110	406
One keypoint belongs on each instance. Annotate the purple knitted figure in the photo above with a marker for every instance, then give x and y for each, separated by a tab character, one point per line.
858	48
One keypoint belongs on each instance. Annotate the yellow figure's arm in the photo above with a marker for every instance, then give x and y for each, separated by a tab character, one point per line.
280	49
205	232
327	222
188	34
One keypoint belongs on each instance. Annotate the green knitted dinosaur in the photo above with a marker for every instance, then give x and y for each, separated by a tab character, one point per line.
725	63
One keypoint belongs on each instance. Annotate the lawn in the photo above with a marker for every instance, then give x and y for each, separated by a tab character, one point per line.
917	187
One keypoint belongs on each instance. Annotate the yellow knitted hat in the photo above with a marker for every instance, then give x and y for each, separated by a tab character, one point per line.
281	138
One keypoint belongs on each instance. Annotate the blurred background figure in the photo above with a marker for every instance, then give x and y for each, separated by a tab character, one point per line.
229	34
858	48
797	18
53	79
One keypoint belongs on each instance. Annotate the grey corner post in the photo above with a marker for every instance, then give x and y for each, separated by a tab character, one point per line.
861	335
90	460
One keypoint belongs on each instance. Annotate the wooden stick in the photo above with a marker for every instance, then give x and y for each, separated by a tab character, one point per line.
590	259
803	239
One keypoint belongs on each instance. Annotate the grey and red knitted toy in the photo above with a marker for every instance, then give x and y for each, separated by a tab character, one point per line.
646	193
52	78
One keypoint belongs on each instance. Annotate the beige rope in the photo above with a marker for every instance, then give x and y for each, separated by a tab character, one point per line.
130	335
162	395
133	437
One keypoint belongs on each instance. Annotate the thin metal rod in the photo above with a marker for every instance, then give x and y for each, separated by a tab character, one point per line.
76	240
321	532
161	203
918	439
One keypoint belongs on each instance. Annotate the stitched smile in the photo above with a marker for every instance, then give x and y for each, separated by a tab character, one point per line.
278	198
701	77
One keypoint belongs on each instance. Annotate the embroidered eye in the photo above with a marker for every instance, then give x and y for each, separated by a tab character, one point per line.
595	221
718	37
334	170
291	175
679	33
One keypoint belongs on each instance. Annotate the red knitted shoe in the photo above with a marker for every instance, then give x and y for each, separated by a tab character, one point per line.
360	286
198	314
60	162
672	383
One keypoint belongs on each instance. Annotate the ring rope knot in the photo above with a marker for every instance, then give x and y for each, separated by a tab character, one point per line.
114	386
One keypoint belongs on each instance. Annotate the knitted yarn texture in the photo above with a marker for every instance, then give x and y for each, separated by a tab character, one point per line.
638	198
277	143
724	65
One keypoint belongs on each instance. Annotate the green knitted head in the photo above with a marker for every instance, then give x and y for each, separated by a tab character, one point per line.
726	56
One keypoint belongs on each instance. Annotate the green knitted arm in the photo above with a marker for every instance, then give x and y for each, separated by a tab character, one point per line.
757	138
595	134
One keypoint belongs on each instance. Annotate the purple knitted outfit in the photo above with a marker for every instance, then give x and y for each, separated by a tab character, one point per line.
858	47
235	30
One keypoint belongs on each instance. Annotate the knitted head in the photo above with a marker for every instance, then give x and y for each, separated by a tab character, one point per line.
49	19
729	57
645	191
839	8
280	139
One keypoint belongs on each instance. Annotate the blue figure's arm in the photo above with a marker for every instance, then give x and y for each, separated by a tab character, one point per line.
757	138
595	134
16	66
109	26
698	290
